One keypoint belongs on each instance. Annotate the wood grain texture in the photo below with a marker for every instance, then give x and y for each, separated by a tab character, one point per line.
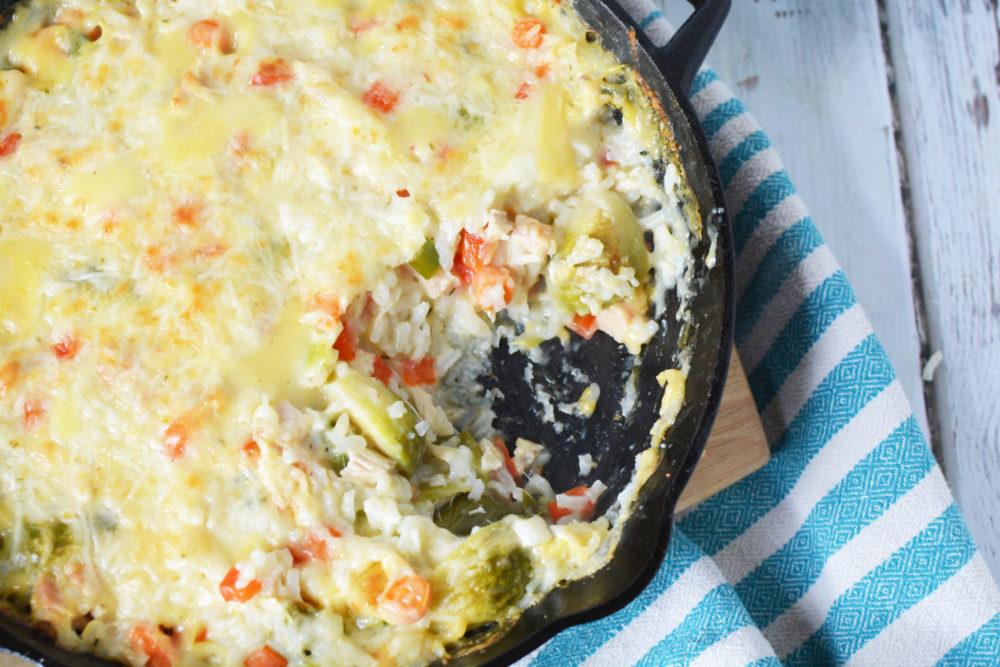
737	445
947	64
8	659
814	75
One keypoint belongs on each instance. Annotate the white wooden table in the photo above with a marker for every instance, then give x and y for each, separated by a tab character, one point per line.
887	116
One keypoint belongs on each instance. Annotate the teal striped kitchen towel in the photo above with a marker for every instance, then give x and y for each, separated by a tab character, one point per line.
847	547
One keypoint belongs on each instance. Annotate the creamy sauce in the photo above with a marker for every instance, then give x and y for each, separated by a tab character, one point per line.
241	246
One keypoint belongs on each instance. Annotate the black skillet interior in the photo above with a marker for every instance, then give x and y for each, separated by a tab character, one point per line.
612	441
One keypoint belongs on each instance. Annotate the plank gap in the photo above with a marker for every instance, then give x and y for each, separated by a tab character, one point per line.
912	241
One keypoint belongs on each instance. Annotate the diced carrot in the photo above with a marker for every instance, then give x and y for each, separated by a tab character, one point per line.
240	143
202	635
524	91
380	97
604	159
508	462
527	33
46	599
585	325
154	643
8	376
328	304
9	144
33	411
314	547
380	370
403	193
208	35
185	214
157	259
452	20
358	26
66	346
408	22
271	73
406	601
372	582
265	656
582	491
492	287
175	439
557	512
230	593
417	371
346	344
211	249
542	70
251	449
472	253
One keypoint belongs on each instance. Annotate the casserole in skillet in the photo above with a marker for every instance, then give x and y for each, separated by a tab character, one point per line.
255	258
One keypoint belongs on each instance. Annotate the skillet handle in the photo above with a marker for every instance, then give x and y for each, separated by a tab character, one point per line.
681	57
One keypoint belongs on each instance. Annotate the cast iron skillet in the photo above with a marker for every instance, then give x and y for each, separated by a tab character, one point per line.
611	438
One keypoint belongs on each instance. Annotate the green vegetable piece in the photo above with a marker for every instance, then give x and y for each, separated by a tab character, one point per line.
454	486
75	41
338	462
62	535
426	262
607	217
40	542
362	526
369	403
486	576
461	514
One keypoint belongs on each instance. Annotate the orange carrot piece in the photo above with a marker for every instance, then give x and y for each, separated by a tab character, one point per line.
154	643
380	97
527	33
9	144
271	73
175	439
472	253
208	35
346	344
380	370
417	371
66	346
508	462
585	325
406	600
266	656
230	592
492	287
33	411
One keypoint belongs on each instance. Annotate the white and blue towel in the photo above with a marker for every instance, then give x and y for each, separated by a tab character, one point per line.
847	547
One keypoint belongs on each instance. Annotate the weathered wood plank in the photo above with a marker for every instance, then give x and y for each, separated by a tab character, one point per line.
946	60
814	75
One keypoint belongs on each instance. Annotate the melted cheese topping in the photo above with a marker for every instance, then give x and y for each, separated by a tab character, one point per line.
220	223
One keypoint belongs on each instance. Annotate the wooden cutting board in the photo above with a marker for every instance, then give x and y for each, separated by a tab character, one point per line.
736	447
